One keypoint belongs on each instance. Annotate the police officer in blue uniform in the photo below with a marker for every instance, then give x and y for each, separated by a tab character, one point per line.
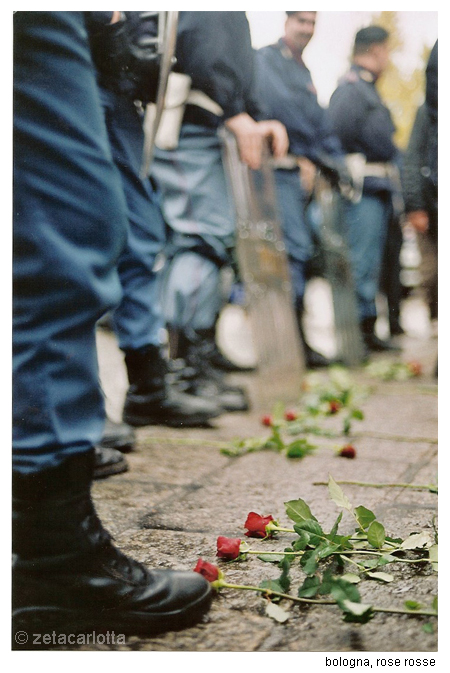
70	220
127	84
287	93
364	126
214	50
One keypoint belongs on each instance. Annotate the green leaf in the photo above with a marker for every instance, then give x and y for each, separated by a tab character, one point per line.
357	612
337	494
364	516
344	591
351	577
309	587
284	579
299	448
376	534
433	556
313	528
270	558
325	549
428	627
302	541
278	614
308	562
346	426
272	585
412	605
298	511
358	414
383	577
334	530
416	541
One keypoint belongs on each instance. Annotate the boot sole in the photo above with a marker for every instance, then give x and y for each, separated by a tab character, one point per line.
190	422
30	622
101	472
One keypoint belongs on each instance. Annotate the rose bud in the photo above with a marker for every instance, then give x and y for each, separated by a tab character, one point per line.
228	547
267	420
333	406
256	525
290	416
415	368
348	451
209	571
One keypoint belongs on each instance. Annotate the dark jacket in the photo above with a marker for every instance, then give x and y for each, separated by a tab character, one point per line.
363	123
286	91
419	192
214	49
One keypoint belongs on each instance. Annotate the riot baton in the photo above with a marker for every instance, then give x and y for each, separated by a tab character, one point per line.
167	39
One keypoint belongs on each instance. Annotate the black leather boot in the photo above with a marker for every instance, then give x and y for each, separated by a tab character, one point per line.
150	400
313	359
371	341
201	378
68	577
108	462
118	436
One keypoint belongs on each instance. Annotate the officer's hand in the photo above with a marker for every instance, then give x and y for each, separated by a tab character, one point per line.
249	138
419	220
276	134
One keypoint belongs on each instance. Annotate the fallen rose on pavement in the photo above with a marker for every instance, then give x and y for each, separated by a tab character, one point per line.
348	451
290	416
209	571
267	420
256	525
228	547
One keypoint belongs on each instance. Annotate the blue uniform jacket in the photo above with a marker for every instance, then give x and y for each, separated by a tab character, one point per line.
363	123
286	92
214	48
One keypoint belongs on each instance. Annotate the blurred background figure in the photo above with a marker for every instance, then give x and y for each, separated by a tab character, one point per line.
214	52
364	126
287	93
420	185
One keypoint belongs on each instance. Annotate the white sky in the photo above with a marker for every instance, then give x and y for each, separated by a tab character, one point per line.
327	53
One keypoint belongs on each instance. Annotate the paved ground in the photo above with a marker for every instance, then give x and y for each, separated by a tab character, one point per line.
181	493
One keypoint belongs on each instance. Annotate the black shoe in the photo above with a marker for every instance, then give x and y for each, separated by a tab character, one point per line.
371	341
220	361
69	578
201	378
396	329
150	400
118	436
108	462
376	345
315	360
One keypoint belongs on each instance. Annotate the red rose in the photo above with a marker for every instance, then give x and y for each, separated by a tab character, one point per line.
415	368
290	416
267	420
348	451
209	571
256	524
333	406
228	547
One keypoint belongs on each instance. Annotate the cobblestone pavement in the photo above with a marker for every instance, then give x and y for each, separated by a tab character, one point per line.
181	492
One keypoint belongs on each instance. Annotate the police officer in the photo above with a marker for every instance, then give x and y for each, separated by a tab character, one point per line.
126	85
70	220
364	125
287	93
214	49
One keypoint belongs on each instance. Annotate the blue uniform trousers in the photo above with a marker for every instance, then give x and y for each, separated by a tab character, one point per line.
200	215
366	228
296	232
138	318
69	228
